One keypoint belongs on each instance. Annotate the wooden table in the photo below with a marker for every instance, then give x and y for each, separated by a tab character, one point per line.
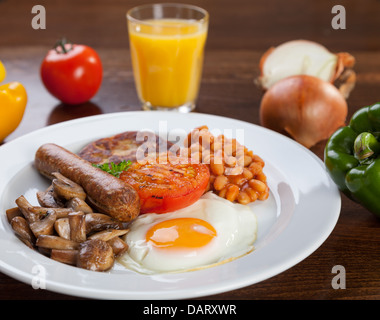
240	31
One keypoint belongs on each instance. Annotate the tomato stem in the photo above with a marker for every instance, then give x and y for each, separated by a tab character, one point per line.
60	46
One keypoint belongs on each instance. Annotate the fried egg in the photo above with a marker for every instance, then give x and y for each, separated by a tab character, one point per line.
211	231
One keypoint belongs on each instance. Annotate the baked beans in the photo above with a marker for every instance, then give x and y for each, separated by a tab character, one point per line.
236	173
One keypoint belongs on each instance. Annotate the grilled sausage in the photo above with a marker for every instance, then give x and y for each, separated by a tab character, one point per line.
105	192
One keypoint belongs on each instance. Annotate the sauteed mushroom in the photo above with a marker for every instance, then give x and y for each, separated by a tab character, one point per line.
66	229
108	234
79	205
118	245
48	198
55	242
45	225
22	229
67	189
98	221
25	208
96	255
62	227
13	212
77	224
60	212
65	256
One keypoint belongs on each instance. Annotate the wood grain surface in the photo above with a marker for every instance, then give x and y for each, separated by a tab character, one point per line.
240	31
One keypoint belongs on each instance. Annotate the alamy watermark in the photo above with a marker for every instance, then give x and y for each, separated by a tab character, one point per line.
200	145
39	278
39	20
337	22
339	280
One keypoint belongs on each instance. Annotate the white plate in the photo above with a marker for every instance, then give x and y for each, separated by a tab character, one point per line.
301	212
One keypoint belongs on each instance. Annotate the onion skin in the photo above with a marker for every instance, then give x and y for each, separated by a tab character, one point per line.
342	75
305	107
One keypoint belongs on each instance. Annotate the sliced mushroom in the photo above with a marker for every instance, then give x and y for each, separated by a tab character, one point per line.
42	211
62	227
77	224
21	227
48	199
65	256
67	189
79	205
25	208
44	226
55	242
98	221
118	245
13	212
95	255
108	234
45	251
27	243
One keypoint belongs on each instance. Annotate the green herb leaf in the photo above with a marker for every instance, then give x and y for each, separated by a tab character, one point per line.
113	168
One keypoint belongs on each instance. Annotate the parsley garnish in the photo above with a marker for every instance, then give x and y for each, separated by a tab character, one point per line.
114	169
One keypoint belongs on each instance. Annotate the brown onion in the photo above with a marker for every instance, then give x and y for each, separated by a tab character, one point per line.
304	107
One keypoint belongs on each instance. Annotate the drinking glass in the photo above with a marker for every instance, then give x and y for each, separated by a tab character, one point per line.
167	46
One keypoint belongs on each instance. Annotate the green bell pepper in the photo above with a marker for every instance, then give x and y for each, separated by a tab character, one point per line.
352	158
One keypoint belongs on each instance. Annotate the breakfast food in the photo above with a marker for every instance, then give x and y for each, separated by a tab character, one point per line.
211	231
122	146
167	187
170	211
64	232
236	173
108	194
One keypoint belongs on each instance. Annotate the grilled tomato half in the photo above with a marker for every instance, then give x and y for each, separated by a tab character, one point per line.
167	187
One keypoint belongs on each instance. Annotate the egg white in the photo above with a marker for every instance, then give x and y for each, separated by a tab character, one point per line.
235	224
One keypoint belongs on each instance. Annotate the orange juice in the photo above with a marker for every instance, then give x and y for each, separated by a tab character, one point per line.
167	58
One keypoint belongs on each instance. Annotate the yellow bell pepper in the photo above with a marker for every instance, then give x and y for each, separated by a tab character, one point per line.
2	72
13	99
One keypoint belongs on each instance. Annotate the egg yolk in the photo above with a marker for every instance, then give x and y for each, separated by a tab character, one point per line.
181	233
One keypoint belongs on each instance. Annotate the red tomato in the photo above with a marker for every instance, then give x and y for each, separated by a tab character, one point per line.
72	72
167	187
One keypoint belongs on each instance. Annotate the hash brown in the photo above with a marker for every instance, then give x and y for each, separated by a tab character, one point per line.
122	146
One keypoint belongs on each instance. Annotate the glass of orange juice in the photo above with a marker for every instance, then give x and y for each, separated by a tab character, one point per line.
167	43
